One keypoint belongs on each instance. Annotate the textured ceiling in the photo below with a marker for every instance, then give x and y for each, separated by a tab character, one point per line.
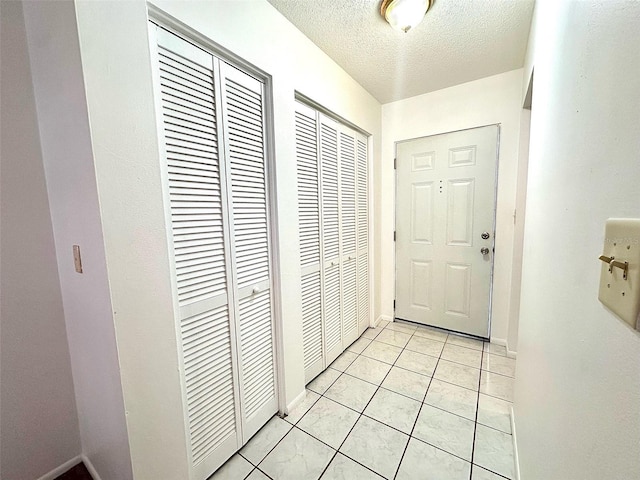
458	41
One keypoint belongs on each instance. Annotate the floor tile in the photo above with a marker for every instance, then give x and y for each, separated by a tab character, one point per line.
329	422
376	446
416	362
495	413
263	441
382	323
397	339
343	361
382	351
256	475
296	414
322	382
432	333
343	468
368	369
393	409
497	364
371	333
425	462
407	383
465	341
351	392
461	375
445	430
402	327
494	451
479	473
463	355
236	467
297	457
452	398
495	349
425	346
496	385
359	345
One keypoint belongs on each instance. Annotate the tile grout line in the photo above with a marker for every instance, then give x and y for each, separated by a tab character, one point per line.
475	423
359	413
378	387
419	409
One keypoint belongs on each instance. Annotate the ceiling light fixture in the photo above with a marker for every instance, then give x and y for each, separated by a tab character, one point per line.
404	14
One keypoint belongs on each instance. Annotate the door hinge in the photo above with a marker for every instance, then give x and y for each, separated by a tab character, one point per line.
394	305
394	235
395	163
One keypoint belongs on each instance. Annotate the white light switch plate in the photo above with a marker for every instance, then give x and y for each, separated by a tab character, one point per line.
622	296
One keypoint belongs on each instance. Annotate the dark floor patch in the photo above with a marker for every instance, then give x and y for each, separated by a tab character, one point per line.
79	472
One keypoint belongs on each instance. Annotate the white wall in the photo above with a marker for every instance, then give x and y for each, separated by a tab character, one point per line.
491	100
117	72
67	156
38	417
577	393
518	233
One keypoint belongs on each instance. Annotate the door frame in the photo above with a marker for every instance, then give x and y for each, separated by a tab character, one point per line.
495	210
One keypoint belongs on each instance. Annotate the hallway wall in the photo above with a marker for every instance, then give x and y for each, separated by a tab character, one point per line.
486	101
577	393
38	415
116	66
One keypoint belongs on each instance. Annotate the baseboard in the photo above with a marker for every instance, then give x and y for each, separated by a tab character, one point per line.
296	401
516	459
511	353
499	341
386	318
56	472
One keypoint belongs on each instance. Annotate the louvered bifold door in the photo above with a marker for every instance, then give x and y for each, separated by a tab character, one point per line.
309	228
330	205
362	203
195	192
243	124
348	251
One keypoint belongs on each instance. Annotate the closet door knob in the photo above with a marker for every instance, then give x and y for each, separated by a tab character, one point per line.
255	290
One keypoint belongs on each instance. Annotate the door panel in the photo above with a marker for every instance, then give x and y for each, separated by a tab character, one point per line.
445	201
196	194
308	173
330	198
362	200
242	107
422	212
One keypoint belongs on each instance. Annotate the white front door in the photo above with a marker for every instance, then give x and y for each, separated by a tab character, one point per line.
445	215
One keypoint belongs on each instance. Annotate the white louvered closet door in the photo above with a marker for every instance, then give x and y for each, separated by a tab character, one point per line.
362	193
348	251
309	226
330	205
196	194
212	137
243	123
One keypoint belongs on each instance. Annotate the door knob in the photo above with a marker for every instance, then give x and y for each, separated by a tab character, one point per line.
484	251
485	235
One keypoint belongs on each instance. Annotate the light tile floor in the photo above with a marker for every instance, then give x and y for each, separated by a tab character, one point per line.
403	402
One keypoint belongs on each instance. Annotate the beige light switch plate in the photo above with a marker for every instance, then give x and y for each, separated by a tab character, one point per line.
622	244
